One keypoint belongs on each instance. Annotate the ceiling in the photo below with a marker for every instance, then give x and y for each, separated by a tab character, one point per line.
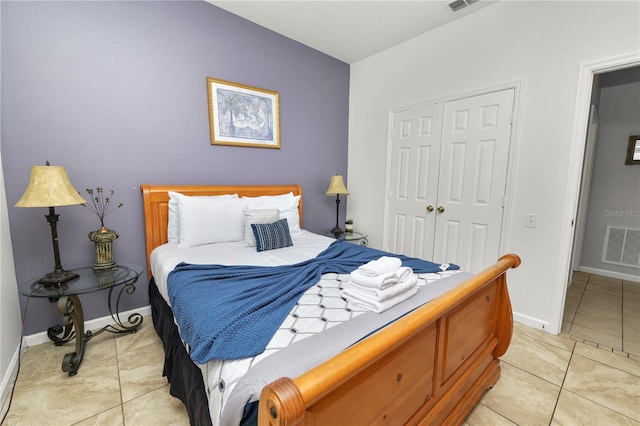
349	30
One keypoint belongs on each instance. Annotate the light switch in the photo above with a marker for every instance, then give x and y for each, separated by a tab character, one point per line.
531	220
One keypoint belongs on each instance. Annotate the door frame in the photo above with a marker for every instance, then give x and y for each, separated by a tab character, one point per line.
576	163
580	222
518	88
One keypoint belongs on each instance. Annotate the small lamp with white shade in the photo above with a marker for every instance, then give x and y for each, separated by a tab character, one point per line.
337	188
49	186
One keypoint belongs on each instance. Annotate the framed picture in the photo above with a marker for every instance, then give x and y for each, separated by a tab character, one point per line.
633	150
242	115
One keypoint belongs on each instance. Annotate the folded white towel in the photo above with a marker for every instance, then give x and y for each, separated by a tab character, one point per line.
380	266
380	294
381	306
403	273
379	281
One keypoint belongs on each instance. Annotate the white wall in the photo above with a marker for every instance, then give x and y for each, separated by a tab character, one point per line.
10	330
10	323
539	44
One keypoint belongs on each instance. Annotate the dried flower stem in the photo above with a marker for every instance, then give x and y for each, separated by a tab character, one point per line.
100	205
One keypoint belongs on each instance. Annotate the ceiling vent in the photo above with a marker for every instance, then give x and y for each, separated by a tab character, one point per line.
461	4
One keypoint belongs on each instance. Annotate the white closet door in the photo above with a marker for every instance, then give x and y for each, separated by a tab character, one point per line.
413	180
473	170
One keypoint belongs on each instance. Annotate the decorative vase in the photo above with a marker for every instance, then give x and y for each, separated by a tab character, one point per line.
348	227
103	239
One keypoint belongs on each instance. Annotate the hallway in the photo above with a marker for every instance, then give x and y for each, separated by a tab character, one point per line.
604	312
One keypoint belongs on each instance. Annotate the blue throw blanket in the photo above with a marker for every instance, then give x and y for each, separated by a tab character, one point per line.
232	312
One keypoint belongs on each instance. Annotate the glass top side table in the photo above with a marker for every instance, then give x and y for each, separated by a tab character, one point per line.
122	277
352	237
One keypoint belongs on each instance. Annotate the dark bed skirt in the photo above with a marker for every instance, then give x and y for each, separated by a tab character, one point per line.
184	377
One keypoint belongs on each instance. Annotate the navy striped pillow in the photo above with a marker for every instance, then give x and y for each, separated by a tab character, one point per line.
271	236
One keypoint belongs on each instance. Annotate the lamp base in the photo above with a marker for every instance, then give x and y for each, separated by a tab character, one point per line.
337	232
57	277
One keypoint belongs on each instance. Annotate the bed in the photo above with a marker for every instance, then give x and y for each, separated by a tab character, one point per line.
429	365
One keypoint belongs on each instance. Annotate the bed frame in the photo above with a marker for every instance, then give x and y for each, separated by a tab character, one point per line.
430	367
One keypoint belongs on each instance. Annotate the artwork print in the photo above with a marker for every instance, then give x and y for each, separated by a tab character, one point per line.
242	115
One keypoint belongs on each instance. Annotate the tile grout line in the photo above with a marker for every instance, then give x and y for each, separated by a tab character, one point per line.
573	318
622	316
564	378
124	421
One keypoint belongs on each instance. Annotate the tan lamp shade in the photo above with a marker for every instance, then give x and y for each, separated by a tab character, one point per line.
336	186
49	186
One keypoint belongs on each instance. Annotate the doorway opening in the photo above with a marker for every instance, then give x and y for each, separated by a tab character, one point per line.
607	212
577	190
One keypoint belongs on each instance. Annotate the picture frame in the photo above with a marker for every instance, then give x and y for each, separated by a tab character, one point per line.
633	150
241	115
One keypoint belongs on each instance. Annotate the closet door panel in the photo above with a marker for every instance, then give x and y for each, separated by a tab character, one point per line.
475	150
413	181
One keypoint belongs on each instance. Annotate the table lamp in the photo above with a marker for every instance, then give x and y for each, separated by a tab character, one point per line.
49	186
337	188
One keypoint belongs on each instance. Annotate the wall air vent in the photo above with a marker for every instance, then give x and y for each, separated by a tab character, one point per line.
460	4
621	246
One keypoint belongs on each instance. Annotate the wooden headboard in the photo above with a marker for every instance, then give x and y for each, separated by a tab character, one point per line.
156	205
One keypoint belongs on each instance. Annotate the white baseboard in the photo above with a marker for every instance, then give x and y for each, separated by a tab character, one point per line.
532	322
38	338
610	274
9	379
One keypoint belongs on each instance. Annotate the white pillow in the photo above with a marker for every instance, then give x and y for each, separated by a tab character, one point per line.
287	204
208	220
173	225
292	214
257	216
280	202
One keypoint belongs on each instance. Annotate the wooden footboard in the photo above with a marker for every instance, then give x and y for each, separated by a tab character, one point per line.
429	367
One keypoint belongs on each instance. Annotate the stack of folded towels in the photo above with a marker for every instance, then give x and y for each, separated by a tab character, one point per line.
380	284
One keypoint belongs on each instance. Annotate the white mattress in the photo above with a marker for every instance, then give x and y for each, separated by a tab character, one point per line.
306	245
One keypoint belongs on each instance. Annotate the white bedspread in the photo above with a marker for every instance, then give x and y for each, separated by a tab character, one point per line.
306	245
320	308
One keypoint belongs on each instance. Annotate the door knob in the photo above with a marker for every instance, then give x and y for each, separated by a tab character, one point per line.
440	209
429	209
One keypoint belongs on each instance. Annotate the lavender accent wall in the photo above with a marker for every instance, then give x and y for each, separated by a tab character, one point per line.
116	93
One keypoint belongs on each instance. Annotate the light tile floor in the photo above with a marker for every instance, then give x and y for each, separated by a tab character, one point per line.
589	375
